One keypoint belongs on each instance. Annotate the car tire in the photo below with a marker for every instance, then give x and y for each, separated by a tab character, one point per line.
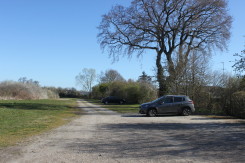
106	102
152	113
186	112
121	102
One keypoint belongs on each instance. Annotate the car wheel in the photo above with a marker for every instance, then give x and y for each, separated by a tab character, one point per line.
186	111
152	113
106	102
121	102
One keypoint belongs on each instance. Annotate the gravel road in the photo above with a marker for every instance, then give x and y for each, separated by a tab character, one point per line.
105	136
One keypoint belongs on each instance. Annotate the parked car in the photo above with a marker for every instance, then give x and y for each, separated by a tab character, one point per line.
169	104
113	99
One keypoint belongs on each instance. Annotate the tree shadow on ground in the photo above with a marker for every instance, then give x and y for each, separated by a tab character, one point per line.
209	141
34	106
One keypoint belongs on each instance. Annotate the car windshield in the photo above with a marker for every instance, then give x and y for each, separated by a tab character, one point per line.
159	99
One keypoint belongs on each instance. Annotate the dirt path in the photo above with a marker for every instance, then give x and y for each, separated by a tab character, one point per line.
105	136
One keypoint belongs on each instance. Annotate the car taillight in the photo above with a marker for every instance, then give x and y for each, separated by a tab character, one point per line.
191	102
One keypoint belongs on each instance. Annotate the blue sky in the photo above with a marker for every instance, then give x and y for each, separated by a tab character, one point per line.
51	41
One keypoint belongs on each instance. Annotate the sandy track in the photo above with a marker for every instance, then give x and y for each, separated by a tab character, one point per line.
105	136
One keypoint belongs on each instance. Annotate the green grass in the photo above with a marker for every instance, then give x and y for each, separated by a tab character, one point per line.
125	108
24	118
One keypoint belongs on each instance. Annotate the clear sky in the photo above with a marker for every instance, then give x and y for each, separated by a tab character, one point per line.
51	41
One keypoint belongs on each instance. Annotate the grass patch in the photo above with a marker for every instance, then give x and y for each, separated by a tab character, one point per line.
24	118
125	108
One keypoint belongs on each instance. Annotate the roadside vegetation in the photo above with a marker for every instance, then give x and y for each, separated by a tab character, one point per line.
21	119
25	89
213	92
183	46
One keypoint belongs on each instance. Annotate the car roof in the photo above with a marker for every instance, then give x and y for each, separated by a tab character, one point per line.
176	95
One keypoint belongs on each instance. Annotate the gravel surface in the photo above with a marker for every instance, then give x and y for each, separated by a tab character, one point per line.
105	136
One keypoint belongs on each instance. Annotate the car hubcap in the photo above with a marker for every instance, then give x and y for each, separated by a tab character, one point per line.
152	113
186	112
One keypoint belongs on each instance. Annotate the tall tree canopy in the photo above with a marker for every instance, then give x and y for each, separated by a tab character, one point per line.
172	28
110	76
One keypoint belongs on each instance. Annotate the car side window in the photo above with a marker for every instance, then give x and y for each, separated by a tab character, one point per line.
178	99
168	100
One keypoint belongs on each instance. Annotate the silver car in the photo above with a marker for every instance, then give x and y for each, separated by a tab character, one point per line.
169	104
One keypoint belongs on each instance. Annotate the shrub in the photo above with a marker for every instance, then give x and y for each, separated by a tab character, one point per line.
238	104
133	92
100	91
117	88
67	92
147	93
20	91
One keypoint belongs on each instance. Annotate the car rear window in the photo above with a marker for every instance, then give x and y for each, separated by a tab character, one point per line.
178	99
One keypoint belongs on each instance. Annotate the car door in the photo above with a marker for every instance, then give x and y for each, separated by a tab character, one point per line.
113	99
166	106
178	102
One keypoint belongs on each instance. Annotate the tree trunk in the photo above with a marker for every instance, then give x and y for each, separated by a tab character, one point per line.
162	90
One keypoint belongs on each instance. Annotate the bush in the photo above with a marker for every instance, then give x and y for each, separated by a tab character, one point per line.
117	88
68	92
19	91
132	92
147	93
238	104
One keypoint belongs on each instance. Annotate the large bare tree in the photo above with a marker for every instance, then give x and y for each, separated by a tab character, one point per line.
110	76
172	28
86	79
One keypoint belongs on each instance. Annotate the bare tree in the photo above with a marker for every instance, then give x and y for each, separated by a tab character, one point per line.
28	81
169	27
191	77
240	63
110	76
86	79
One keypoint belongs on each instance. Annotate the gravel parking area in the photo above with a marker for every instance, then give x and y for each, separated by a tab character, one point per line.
105	136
